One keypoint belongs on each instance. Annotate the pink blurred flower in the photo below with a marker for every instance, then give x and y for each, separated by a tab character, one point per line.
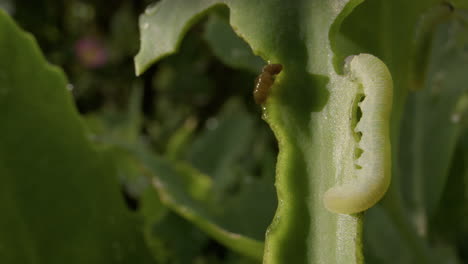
91	52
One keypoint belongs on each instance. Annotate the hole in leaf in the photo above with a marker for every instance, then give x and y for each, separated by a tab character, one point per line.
132	202
359	135
357	153
358	110
356	115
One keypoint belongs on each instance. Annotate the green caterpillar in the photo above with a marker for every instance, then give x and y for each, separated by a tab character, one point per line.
372	170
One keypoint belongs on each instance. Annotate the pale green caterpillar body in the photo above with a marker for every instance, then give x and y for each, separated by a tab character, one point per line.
372	170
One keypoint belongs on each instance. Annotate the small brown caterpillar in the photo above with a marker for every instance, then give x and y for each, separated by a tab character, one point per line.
264	81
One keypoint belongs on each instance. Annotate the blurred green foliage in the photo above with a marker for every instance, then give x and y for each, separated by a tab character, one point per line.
192	117
177	117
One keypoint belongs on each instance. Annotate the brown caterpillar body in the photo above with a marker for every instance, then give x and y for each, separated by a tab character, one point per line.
264	82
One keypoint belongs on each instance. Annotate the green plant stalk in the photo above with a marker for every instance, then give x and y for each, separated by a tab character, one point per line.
332	146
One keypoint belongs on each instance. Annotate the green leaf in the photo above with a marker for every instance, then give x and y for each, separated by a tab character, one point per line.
171	238
431	126
169	180
382	239
370	27
228	150
445	171
445	224
153	21
191	188
234	207
59	198
118	127
222	144
228	47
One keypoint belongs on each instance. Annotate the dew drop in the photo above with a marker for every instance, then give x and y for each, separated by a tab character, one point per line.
264	113
455	118
212	124
460	109
70	87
